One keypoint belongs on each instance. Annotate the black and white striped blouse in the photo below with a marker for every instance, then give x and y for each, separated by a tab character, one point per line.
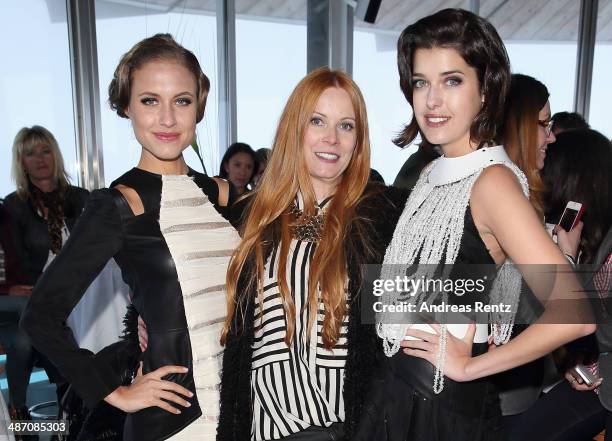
299	386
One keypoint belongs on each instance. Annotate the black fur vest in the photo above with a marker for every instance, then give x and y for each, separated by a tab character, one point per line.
374	221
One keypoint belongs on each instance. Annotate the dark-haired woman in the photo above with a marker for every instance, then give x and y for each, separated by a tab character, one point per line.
526	133
579	168
238	166
162	222
263	156
468	207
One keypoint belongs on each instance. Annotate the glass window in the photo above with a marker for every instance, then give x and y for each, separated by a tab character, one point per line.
540	36
270	61
35	80
541	40
118	28
601	91
375	71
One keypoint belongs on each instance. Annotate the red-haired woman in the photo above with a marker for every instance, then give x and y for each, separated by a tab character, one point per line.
297	360
527	131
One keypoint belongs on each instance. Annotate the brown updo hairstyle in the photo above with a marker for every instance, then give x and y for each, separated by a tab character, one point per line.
479	44
157	47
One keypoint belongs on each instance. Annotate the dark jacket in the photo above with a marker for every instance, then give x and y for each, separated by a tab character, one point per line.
11	270
603	310
375	220
409	174
30	233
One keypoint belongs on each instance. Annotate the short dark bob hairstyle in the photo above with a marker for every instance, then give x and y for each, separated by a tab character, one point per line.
158	47
479	45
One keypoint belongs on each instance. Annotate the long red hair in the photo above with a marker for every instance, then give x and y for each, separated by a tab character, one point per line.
268	220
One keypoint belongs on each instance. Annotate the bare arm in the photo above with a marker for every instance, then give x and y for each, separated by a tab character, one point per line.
501	210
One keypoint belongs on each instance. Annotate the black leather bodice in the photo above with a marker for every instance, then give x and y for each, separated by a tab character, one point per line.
108	228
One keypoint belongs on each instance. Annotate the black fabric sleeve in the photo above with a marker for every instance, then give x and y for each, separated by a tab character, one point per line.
233	194
238	211
76	198
96	237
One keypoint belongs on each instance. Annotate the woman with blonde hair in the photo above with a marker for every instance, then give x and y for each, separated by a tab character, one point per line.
297	361
45	207
42	211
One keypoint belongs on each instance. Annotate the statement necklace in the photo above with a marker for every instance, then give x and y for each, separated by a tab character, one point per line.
304	227
307	228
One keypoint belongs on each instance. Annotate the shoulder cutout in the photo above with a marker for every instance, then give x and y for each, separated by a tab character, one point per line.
132	198
224	190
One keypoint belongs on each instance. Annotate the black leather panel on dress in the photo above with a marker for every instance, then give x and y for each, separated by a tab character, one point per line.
158	299
108	228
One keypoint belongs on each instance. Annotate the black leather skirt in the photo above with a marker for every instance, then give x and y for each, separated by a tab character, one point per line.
405	408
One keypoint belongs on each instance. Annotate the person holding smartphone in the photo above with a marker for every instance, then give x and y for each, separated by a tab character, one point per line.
579	168
579	407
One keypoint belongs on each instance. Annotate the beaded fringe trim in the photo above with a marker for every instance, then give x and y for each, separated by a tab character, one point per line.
429	231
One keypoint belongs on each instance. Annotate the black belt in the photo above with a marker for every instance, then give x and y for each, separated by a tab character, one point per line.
335	432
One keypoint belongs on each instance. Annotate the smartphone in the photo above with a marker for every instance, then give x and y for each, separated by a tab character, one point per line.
571	215
582	372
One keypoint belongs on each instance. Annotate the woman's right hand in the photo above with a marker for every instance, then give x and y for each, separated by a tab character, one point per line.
150	390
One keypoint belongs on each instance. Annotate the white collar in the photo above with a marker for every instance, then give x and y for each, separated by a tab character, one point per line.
447	170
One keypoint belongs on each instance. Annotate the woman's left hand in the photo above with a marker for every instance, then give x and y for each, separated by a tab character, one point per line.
458	350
